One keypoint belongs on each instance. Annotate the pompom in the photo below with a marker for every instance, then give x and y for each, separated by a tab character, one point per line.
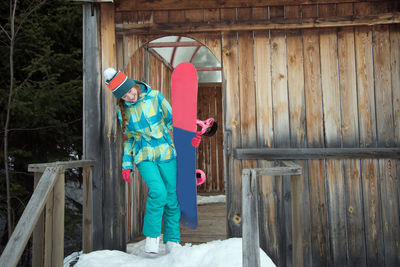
109	73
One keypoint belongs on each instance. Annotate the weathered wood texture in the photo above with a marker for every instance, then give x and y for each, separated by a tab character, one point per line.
209	152
350	206
49	193
212	224
335	88
253	16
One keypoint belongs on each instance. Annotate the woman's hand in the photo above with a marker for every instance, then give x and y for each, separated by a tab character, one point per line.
126	175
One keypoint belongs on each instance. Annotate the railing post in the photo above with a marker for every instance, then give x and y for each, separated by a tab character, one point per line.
54	227
250	241
58	219
38	233
87	209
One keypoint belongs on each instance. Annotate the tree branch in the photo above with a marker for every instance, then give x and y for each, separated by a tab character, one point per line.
29	12
39	128
4	30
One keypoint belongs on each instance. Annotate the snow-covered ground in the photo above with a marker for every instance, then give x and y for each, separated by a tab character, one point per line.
226	253
217	253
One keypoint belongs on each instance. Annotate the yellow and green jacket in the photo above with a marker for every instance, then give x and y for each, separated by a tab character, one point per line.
147	123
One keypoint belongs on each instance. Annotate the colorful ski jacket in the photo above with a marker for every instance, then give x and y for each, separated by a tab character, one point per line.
147	121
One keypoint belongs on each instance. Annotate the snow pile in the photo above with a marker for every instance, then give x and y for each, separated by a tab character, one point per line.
226	253
201	200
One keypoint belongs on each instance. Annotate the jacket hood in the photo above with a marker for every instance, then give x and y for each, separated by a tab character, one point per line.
145	90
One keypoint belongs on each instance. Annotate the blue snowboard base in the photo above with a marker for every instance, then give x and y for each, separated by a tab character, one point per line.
186	189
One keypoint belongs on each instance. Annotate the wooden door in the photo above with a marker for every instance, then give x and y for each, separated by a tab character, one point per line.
210	151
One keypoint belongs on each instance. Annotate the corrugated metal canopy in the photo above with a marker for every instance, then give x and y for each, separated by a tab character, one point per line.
178	49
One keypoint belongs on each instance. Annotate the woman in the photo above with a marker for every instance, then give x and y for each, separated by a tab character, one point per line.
146	121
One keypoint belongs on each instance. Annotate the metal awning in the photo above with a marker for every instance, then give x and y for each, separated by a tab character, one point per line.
178	49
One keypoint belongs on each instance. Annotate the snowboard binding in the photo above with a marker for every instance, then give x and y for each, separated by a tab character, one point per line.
208	127
200	177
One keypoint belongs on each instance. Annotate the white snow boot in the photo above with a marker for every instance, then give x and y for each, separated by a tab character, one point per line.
152	245
169	246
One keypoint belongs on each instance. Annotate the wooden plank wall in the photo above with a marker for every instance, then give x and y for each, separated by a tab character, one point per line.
342	212
336	87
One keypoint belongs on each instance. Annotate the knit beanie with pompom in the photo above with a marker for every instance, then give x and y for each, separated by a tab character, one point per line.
118	82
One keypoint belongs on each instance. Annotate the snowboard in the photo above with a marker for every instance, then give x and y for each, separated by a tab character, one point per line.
184	117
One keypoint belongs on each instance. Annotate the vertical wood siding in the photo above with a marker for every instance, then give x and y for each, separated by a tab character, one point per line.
319	88
336	87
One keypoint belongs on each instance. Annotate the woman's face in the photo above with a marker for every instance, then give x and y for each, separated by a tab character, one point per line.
131	96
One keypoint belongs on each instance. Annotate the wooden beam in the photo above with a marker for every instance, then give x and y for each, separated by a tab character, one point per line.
27	222
315	153
273	24
210	4
250	241
40	167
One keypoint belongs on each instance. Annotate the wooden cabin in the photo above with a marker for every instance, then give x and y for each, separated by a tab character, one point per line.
315	81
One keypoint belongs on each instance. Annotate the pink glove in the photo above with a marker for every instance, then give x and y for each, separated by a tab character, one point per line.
126	175
196	141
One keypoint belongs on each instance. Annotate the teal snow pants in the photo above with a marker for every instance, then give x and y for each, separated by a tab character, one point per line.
162	202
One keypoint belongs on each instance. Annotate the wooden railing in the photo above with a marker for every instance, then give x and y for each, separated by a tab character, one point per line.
250	230
44	216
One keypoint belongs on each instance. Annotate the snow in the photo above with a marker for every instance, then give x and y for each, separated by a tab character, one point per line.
218	253
201	200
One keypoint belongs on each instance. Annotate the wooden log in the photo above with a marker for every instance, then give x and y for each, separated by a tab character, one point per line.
280	90
315	153
281	135
390	211
176	4
297	105
348	85
111	214
319	221
251	250
312	85
301	217
354	213
247	89
92	121
383	89
87	210
263	94
40	167
333	136
372	213
57	239
269	203
38	233
247	93
336	208
276	171
350	138
330	87
395	74
48	232
365	86
20	237
232	125
249	25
